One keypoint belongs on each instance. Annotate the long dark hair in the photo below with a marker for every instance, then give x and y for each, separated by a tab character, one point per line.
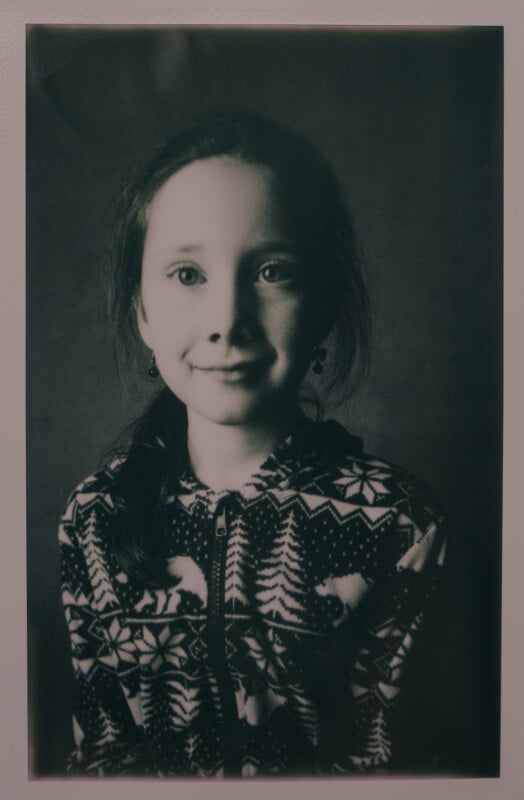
312	196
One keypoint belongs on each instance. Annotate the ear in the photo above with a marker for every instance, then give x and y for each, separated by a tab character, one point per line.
141	320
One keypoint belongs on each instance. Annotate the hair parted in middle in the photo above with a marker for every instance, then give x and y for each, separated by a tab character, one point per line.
313	202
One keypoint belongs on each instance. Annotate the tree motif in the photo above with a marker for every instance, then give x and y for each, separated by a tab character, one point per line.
185	702
281	581
191	746
102	589
307	713
236	565
378	745
109	729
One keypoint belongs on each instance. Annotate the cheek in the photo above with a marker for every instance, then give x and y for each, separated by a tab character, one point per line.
167	325
288	325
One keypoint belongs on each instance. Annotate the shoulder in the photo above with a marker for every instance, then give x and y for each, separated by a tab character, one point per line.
345	472
94	499
99	484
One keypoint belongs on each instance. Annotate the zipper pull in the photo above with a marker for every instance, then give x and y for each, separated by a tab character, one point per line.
220	525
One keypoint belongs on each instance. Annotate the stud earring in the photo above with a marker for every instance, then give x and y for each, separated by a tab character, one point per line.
153	369
319	356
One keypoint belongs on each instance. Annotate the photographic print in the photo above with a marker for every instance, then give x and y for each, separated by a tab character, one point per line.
264	401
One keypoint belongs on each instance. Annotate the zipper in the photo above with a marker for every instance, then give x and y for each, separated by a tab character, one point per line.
217	647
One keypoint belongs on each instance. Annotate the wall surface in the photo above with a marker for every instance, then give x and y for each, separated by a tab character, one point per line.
412	122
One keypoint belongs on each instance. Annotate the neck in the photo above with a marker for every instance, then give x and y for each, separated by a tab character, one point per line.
225	456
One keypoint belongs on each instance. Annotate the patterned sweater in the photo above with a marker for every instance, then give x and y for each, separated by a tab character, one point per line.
280	648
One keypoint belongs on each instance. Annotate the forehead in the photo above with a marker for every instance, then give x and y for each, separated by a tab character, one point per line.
220	195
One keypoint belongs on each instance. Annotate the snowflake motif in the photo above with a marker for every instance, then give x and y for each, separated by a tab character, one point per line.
267	661
155	650
75	628
121	642
368	482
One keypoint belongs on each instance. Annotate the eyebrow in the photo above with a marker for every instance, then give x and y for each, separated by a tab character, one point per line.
187	248
174	251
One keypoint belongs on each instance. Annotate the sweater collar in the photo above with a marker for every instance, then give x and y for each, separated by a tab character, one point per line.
307	451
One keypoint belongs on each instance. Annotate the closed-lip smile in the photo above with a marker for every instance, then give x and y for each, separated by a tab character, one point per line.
238	372
237	367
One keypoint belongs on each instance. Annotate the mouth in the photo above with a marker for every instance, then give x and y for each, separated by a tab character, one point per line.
237	372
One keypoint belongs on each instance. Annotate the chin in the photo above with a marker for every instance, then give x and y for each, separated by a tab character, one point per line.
240	415
243	410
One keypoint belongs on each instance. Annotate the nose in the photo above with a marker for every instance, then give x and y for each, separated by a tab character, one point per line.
231	313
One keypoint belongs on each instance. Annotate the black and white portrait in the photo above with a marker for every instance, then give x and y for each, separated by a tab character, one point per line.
264	355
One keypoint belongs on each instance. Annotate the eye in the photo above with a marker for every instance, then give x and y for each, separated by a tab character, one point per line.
187	275
277	272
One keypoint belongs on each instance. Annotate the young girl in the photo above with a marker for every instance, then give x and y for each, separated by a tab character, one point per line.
243	585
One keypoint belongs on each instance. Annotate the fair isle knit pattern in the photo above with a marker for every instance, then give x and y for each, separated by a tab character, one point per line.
281	647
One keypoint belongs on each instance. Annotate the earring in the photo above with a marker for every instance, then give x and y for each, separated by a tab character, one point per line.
153	369
319	356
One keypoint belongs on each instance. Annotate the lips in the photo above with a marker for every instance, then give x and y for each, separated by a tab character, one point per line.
234	373
239	366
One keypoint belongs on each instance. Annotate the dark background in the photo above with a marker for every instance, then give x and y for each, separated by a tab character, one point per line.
412	122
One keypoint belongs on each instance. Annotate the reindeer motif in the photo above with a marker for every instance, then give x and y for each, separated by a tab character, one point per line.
166	601
349	589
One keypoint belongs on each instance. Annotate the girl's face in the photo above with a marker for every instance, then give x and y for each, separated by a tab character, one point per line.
223	301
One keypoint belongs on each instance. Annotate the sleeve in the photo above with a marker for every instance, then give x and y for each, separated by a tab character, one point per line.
107	739
394	620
